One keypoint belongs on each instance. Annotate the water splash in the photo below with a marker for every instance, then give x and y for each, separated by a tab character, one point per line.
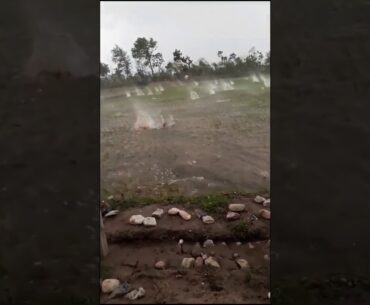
255	78
139	92
128	94
161	88
196	84
150	92
194	95
146	119
226	86
157	90
266	80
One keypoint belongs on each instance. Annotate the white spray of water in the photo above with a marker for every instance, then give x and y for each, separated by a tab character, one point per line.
146	119
216	82
226	86
194	95
150	92
266	80
139	92
128	94
255	78
157	90
161	88
231	82
196	83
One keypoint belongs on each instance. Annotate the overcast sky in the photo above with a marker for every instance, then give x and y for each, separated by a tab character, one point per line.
198	29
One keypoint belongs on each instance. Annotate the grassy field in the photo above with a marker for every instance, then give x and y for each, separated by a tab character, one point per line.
219	142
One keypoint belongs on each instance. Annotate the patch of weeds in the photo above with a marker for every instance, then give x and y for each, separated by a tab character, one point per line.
212	204
240	230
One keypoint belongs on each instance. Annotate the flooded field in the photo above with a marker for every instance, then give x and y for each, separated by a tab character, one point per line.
186	138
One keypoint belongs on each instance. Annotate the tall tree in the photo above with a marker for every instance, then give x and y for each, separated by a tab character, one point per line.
104	70
122	61
144	51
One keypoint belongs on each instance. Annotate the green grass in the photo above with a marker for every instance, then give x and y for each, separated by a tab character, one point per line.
240	230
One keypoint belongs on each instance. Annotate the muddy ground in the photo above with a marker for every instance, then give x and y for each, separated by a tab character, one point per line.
135	249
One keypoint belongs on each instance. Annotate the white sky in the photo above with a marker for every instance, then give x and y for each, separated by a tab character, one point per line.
198	29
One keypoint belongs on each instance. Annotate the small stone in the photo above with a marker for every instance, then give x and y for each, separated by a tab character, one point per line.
181	241
250	245
160	265
235	255
208	219
198	262
173	211
136	294
199	213
269	295
197	250
158	213
108	285
110	197
266	214
266	203
242	263
188	262
237	207
137	219
120	291
232	216
208	243
223	244
238	243
266	257
184	215
111	213
210	261
150	222
259	199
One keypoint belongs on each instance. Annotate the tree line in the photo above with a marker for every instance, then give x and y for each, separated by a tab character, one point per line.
150	66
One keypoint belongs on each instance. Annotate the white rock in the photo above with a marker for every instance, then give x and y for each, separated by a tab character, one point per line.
188	262
232	216
250	245
184	215
137	219
160	265
210	261
208	243
108	285
266	203
242	263
158	213
259	199
181	241
150	222
207	219
269	295
136	294
237	207
111	213
173	211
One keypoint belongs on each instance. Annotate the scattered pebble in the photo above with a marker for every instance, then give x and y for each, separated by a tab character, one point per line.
120	291
259	199
210	261
232	216
208	219
136	294
242	263
184	215
224	244
188	262
250	245
198	262
111	213
137	219
158	213
150	222
266	214
108	285
237	207
160	265
208	243
173	211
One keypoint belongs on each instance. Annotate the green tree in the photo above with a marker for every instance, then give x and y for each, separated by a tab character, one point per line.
122	61
144	52
104	70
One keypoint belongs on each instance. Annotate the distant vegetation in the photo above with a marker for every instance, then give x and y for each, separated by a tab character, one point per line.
150	65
